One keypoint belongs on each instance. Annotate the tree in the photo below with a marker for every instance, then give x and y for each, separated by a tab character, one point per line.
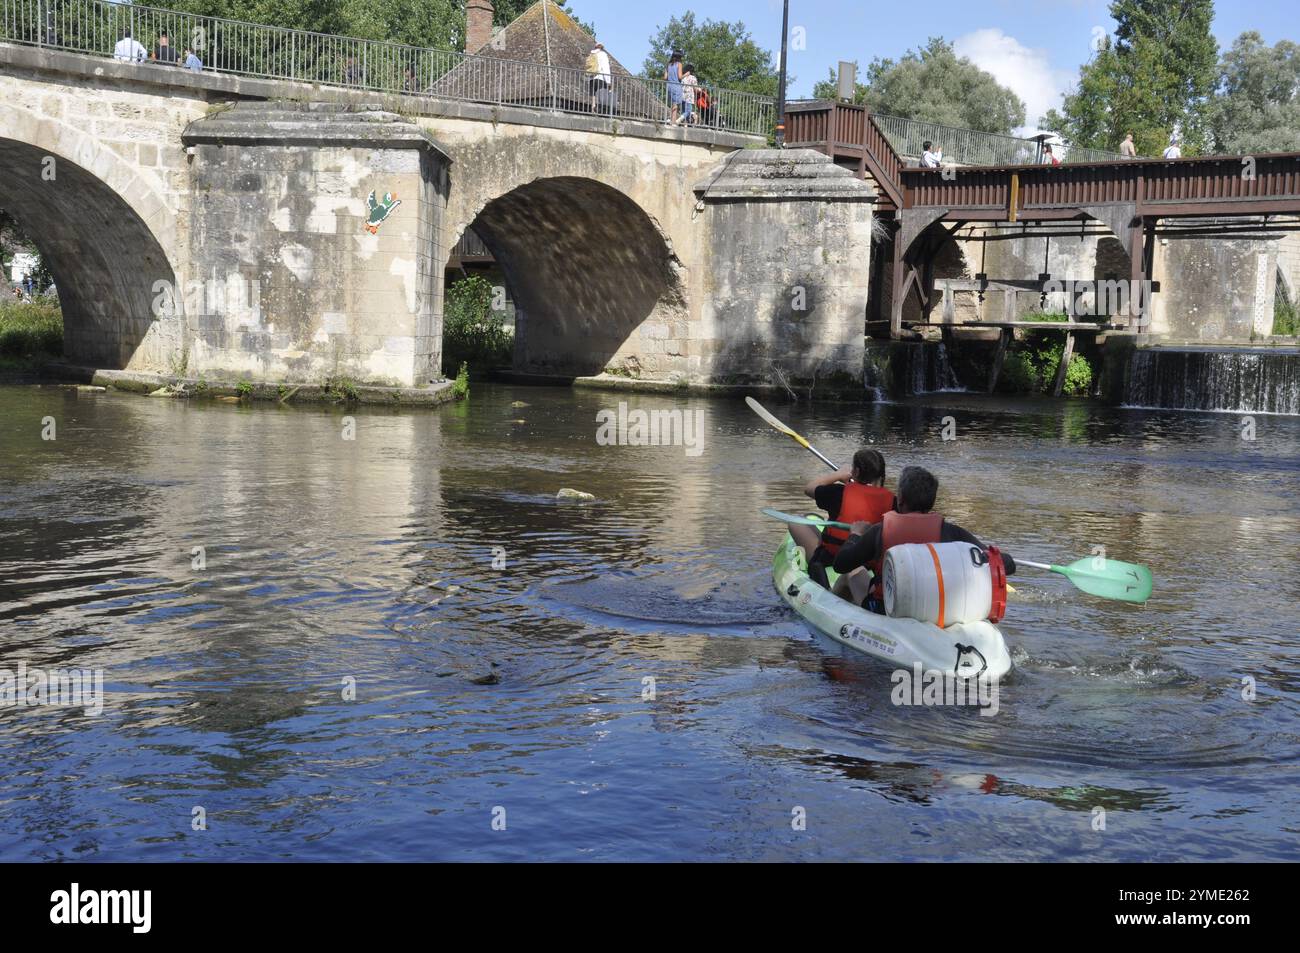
934	84
9	238
439	24
1154	80
1258	105
724	54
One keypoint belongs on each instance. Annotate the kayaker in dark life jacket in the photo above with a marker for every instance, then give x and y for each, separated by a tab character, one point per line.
849	495
914	522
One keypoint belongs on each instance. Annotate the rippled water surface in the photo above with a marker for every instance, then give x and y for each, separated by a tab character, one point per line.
480	687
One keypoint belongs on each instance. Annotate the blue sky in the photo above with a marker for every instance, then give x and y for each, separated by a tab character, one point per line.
1033	46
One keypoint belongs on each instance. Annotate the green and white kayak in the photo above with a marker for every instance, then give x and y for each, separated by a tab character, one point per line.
966	649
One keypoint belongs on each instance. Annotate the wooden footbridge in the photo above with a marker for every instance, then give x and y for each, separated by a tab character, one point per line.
1134	200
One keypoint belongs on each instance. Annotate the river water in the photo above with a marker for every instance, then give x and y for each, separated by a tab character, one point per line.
233	570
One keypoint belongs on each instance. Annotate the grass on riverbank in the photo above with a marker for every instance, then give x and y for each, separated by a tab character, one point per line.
30	332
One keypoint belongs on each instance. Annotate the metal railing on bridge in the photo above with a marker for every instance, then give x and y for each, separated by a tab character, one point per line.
964	147
98	28
971	147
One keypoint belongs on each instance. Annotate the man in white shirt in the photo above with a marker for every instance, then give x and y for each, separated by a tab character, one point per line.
931	158
600	79
129	50
1173	150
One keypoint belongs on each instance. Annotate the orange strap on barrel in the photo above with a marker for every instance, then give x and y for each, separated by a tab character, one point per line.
938	572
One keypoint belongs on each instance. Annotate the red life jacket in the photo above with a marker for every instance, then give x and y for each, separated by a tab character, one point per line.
899	528
861	501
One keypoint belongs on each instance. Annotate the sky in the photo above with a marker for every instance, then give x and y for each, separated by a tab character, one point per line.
1033	46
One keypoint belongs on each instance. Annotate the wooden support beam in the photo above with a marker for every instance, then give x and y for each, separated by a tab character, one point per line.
897	291
1064	366
999	356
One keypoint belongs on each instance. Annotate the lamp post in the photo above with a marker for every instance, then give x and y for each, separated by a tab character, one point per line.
780	89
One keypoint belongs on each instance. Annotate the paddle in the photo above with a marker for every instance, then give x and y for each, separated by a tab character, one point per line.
802	520
759	409
1106	578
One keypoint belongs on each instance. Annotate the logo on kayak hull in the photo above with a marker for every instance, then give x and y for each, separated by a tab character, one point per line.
871	641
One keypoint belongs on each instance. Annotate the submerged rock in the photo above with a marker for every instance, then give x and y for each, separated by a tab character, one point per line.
167	391
519	403
571	494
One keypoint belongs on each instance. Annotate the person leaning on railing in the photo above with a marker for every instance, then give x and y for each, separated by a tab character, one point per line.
165	53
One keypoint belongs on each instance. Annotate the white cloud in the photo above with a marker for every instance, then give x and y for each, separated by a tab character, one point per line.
1027	72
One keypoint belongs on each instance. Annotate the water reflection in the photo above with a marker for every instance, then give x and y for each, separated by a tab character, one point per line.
235	570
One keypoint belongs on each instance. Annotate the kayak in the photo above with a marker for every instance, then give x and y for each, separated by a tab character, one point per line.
967	649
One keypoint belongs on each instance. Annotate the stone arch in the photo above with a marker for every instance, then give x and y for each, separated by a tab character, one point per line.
594	278
105	233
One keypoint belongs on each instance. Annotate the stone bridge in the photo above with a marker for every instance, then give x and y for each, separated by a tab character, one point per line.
204	223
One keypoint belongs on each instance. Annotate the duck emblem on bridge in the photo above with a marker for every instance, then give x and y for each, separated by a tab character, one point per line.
380	210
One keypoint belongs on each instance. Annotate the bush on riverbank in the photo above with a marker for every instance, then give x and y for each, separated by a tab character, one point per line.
31	330
1286	317
472	332
1031	363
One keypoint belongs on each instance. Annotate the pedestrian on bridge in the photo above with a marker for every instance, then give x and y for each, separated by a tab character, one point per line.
192	62
1173	150
1127	149
673	76
129	50
931	158
690	83
600	79
165	53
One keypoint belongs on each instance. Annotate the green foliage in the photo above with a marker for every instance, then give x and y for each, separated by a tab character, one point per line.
244	389
439	24
1286	317
460	388
342	389
1258	106
472	332
934	84
1031	364
724	54
31	329
1157	76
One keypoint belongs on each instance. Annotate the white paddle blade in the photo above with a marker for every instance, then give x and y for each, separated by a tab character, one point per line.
759	409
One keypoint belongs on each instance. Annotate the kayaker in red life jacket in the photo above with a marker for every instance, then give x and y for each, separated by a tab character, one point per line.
914	522
854	494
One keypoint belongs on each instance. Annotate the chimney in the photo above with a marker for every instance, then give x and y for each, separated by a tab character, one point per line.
478	25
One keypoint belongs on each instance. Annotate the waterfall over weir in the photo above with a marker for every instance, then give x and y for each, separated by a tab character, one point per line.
898	369
1262	381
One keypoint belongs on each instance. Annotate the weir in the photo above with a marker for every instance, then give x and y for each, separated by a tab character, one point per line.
893	369
1245	380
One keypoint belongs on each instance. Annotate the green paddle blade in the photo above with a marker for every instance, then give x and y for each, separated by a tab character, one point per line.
1109	578
801	520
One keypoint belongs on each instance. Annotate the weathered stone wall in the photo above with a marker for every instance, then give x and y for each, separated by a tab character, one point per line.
330	217
1214	289
786	296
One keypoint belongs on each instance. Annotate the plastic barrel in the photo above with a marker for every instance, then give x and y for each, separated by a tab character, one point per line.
939	583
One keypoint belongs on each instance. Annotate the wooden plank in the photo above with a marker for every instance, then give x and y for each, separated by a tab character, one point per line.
998	357
1064	366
